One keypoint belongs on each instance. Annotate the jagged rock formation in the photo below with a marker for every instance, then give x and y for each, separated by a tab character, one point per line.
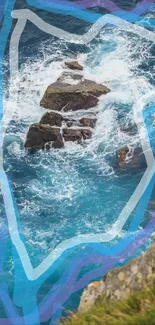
61	96
53	131
71	92
41	136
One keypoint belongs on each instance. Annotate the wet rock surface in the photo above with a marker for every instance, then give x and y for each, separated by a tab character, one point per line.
61	96
40	135
74	65
131	158
76	134
118	283
123	156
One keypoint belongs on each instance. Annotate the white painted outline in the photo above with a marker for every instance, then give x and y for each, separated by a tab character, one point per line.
22	16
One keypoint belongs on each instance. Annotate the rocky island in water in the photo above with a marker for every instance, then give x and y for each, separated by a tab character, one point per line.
69	94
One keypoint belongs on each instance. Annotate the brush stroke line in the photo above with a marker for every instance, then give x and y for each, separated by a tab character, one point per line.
78	9
51	302
141	8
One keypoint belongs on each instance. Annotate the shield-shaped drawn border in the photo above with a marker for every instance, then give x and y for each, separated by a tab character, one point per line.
22	16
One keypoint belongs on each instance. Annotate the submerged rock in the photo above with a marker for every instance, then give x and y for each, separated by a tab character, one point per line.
69	123
136	275
131	158
63	96
74	65
41	136
130	129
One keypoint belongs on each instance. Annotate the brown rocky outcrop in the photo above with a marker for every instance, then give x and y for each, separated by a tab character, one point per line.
136	275
63	96
44	136
74	65
41	136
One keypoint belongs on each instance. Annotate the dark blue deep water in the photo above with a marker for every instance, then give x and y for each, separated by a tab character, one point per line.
79	189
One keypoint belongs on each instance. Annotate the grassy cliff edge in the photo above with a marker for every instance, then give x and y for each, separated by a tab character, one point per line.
125	296
137	309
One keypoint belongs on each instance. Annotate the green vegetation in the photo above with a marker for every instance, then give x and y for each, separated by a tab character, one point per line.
137	309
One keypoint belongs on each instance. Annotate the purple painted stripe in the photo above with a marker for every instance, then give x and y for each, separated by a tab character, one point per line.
110	6
142	7
107	4
107	263
48	308
63	3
